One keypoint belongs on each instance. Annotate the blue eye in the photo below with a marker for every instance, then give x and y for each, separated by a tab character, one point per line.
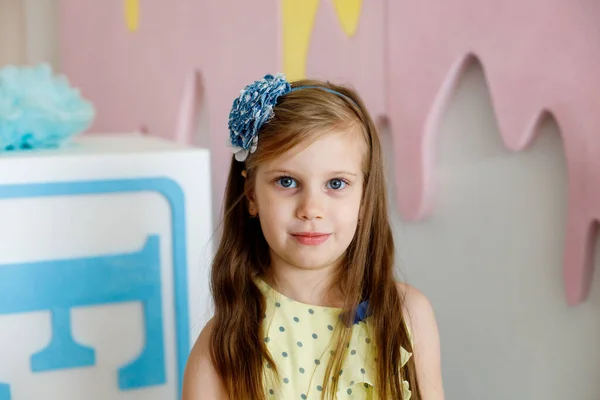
287	182
336	184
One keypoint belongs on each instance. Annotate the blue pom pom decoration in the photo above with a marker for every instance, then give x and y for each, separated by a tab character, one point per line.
251	110
39	110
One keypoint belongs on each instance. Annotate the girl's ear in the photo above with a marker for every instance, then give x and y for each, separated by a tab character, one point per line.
252	207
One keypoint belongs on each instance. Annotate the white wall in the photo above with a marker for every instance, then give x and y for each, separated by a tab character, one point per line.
29	32
490	260
12	38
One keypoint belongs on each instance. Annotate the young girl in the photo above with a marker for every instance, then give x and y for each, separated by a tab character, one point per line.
306	306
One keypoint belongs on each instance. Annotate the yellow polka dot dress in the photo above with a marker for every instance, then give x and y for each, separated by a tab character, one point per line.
298	336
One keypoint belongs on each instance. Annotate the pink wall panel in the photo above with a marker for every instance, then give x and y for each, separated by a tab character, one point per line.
357	60
133	78
539	56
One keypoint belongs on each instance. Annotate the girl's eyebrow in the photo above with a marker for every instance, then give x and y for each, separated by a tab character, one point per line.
343	173
285	172
279	171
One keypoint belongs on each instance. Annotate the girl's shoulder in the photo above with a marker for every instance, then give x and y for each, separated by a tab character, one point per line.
200	379
416	306
421	322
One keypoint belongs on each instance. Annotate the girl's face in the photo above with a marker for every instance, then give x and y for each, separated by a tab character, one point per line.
308	200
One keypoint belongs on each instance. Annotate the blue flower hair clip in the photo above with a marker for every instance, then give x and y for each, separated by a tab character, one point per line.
254	107
251	110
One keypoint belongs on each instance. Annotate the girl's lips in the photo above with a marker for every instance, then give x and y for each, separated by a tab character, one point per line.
311	238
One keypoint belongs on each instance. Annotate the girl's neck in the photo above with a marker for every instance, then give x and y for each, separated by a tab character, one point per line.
314	287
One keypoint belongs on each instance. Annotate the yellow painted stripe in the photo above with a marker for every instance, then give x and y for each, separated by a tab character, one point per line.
348	12
132	14
298	21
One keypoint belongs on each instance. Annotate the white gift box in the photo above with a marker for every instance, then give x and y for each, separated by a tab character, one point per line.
104	258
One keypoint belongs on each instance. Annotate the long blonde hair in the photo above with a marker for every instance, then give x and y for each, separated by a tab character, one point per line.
367	271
